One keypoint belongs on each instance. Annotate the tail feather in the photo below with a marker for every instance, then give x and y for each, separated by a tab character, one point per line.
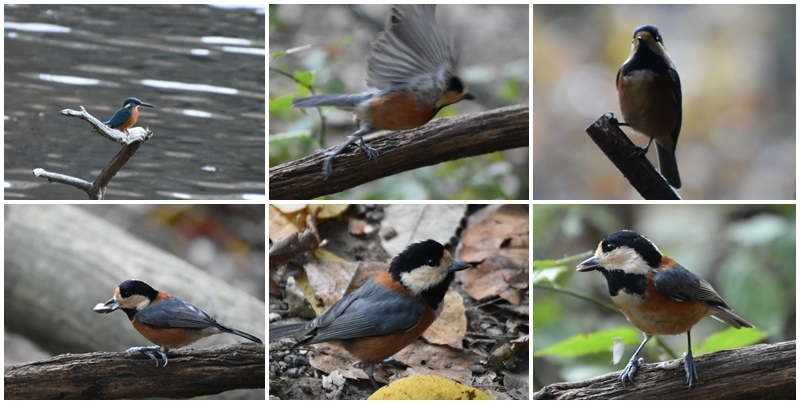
278	331
242	334
728	317
668	166
344	101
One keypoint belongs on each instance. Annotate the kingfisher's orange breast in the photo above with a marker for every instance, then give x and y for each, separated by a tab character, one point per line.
131	120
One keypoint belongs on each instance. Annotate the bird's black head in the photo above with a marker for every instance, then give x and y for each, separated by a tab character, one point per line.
133	287
624	250
131	296
426	269
650	30
423	266
627	239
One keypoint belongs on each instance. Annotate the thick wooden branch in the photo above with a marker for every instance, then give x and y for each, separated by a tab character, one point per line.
439	140
764	371
112	375
130	142
620	150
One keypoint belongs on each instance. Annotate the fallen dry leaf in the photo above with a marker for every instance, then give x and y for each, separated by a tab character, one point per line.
422	359
451	325
281	225
330	279
498	239
413	222
500	229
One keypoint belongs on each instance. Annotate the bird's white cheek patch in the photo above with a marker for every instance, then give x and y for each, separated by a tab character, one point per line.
143	304
422	278
627	260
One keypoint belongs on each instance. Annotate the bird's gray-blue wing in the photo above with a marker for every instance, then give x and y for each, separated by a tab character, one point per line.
174	313
371	310
681	285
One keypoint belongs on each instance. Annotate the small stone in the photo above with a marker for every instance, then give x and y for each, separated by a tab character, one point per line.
477	369
300	360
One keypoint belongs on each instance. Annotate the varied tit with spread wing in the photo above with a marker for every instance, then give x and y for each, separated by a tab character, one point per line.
656	294
164	320
413	67
387	313
650	98
126	117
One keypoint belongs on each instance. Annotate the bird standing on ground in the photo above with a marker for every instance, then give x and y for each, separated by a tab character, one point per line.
387	313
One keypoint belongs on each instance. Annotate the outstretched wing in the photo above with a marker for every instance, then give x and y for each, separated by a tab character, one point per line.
413	52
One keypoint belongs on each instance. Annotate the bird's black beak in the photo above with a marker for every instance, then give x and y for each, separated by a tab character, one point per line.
589	265
469	96
458	266
106	307
144	104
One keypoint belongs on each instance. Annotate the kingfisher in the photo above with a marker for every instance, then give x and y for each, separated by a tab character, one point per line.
126	117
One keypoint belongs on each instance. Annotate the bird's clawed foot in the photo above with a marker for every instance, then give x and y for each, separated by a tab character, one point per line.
691	370
327	166
630	370
148	350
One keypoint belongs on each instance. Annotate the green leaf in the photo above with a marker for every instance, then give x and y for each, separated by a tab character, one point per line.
731	338
274	20
549	274
510	91
589	344
276	55
279	106
305	78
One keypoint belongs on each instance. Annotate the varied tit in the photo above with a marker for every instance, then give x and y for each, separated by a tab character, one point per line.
656	294
650	98
413	68
387	313
166	321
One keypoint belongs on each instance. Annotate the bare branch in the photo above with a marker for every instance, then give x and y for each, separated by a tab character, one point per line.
620	150
764	371
133	135
438	141
130	142
63	179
